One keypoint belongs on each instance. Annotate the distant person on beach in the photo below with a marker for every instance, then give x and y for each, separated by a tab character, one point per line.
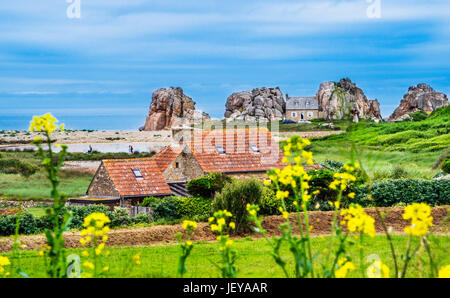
130	149
90	149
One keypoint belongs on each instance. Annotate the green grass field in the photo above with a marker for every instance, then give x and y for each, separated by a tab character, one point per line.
72	183
254	261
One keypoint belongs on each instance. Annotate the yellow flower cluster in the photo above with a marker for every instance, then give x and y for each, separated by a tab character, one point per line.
341	181
189	225
219	221
357	220
253	211
444	272
344	266
4	262
45	123
420	216
95	231
295	144
378	270
137	259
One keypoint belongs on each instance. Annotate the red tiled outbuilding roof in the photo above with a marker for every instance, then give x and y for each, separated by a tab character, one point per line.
128	185
245	150
166	156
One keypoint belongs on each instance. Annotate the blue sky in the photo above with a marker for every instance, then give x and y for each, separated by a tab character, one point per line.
99	71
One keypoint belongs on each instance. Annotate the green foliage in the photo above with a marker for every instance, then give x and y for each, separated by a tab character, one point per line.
235	196
142	218
207	185
269	203
198	209
389	193
320	181
80	212
15	166
418	116
332	165
446	166
429	135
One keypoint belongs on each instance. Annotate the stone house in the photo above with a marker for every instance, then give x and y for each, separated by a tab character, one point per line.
302	108
240	153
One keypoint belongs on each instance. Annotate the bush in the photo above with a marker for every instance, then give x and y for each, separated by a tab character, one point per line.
142	218
15	166
321	179
28	224
332	165
388	193
80	212
198	209
446	166
418	116
269	203
235	196
207	185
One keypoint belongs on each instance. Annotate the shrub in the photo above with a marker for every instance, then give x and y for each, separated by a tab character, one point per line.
446	166
388	193
80	212
332	165
269	203
165	208
207	185
320	181
15	166
195	208
235	196
28	224
418	116
142	218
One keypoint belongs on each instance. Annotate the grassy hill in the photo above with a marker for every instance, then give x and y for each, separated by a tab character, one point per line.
416	146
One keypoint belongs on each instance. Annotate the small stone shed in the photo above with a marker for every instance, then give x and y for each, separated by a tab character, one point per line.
240	153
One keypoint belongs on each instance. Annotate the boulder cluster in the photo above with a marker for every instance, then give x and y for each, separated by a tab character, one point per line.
261	104
343	99
170	107
419	98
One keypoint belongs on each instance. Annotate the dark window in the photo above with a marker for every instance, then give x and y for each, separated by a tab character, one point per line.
177	165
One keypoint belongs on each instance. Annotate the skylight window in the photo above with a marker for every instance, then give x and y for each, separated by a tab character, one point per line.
254	148
220	150
137	173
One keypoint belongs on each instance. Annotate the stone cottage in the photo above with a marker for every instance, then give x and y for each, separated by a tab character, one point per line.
302	108
239	153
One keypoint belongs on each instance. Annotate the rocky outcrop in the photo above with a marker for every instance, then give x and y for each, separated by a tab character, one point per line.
338	100
419	98
262	104
170	107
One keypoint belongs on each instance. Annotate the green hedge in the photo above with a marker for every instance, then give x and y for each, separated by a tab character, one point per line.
388	193
207	185
15	166
173	208
446	166
33	225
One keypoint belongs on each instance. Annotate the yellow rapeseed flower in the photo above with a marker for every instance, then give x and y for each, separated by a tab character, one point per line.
420	216
444	272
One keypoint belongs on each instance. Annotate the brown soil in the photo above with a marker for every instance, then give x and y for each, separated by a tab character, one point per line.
157	235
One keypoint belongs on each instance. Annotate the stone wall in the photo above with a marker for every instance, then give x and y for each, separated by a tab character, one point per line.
188	169
102	185
296	115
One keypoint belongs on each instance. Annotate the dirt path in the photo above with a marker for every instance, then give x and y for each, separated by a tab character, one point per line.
157	235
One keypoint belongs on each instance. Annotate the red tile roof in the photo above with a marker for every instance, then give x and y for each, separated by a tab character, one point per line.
166	157
152	183
238	157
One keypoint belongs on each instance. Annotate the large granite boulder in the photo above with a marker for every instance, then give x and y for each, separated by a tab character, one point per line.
343	99
419	98
170	107
261	104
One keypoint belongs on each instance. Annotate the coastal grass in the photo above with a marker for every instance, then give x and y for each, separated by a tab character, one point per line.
72	183
254	258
